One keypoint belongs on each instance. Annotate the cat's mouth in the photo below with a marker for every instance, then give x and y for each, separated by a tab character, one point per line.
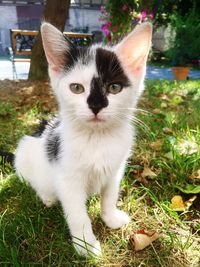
96	119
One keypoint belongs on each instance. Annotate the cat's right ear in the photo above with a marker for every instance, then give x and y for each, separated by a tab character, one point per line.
134	49
56	47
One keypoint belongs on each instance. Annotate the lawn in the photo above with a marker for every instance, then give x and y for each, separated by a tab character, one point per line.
165	160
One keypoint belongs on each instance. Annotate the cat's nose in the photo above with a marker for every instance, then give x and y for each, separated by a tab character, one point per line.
95	109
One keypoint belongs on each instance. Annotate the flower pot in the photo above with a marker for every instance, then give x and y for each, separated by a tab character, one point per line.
180	73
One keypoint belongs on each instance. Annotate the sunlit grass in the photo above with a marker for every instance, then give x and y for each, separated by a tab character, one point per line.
169	144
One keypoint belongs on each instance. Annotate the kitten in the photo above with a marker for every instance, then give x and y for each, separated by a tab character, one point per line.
84	149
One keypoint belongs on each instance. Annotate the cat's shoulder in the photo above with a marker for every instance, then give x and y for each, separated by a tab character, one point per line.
47	126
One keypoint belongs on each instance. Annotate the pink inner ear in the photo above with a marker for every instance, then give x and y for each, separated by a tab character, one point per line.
54	63
54	46
133	64
133	56
133	50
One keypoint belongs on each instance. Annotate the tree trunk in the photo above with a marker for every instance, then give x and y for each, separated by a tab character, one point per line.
55	12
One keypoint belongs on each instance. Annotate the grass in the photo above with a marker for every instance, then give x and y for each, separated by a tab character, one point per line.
168	142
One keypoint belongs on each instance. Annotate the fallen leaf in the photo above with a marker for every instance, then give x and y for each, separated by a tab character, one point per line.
176	100
167	130
163	105
142	239
195	176
188	147
190	201
157	111
157	145
143	181
148	173
189	189
169	155
198	174
164	97
177	203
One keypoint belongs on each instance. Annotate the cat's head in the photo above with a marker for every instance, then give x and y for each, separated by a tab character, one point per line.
97	86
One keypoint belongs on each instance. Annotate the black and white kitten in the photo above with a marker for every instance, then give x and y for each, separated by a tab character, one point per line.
84	149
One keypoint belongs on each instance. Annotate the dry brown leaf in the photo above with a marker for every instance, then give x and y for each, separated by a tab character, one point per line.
163	105
188	147
195	175
167	130
164	97
177	203
157	145
142	239
157	111
147	172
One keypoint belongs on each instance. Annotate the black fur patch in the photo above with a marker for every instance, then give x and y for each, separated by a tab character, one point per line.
73	54
53	146
109	71
109	68
53	141
40	129
97	98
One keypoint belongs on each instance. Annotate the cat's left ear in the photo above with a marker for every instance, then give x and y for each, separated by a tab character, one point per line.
133	50
57	48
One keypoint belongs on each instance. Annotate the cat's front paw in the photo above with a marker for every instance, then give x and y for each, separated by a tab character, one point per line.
87	249
115	219
48	201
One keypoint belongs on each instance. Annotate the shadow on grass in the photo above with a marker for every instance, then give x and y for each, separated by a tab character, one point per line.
30	233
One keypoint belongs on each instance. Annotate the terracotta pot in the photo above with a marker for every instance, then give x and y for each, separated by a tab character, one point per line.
180	73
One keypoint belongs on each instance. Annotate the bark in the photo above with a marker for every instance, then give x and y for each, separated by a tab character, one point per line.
55	12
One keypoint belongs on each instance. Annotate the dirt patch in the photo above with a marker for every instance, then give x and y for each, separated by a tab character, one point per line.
24	93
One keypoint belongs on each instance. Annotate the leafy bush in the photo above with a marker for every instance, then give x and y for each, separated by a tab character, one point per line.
119	17
185	45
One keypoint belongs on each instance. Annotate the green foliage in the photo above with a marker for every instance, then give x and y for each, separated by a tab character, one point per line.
190	189
185	46
164	10
5	109
119	17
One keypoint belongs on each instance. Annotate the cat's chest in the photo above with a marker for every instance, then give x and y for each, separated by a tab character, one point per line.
98	160
99	153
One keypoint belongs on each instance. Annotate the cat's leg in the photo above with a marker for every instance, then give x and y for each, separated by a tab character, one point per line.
73	199
111	215
32	166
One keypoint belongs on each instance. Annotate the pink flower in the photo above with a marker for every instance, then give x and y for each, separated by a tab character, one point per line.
124	8
151	15
144	14
136	18
103	9
106	31
107	25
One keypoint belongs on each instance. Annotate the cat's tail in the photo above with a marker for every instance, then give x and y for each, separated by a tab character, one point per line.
6	160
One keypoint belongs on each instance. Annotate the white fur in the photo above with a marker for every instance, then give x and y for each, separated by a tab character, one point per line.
93	155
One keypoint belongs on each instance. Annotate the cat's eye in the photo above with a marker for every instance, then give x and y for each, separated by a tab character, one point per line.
77	88
114	88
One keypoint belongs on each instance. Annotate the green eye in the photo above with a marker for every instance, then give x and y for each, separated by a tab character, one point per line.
114	88
77	88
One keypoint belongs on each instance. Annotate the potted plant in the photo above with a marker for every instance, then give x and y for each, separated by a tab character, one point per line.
185	42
